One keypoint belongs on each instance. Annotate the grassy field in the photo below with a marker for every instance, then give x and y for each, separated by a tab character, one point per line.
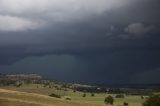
16	98
37	95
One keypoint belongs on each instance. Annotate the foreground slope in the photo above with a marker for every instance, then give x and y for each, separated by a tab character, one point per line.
15	98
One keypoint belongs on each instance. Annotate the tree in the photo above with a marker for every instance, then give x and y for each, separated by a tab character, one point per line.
109	100
125	104
152	101
84	95
92	94
18	84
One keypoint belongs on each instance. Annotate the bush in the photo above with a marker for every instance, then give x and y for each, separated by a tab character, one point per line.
55	95
18	84
152	101
74	91
92	94
84	95
125	104
142	97
109	100
68	98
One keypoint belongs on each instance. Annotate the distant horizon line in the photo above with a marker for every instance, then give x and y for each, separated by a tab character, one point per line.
92	84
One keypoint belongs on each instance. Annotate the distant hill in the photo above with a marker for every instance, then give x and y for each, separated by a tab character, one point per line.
24	76
20	76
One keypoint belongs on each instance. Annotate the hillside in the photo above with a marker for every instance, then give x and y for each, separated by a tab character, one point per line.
15	98
34	90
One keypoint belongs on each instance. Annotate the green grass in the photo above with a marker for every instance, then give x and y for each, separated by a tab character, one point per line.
77	96
16	98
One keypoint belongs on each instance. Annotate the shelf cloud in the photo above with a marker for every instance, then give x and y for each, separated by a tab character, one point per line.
110	41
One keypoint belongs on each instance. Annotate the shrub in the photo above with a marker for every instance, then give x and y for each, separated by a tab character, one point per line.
109	100
18	84
125	104
152	101
74	91
68	98
84	95
92	94
142	97
55	95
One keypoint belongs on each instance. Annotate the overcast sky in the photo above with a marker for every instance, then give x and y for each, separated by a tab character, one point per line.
88	41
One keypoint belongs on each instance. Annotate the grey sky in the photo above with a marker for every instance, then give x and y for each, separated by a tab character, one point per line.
109	41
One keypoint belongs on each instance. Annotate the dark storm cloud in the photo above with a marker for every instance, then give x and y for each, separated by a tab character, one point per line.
107	43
